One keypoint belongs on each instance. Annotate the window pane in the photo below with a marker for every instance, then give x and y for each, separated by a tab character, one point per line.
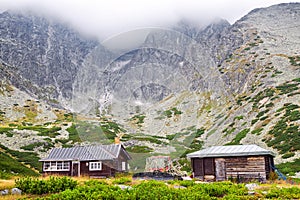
59	165
66	165
53	166
46	165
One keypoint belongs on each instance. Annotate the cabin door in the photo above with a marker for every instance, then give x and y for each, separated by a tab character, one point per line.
75	171
220	169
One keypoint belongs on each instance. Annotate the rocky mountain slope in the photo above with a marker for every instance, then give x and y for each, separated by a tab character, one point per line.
182	89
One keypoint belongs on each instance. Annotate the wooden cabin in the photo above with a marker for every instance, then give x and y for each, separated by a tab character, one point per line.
92	160
235	162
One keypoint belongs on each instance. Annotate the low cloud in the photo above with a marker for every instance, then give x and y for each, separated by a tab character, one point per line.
104	19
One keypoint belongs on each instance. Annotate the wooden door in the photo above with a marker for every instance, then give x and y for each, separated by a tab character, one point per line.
220	169
197	164
209	167
75	169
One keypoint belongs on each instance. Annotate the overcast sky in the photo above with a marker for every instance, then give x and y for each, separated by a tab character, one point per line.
106	18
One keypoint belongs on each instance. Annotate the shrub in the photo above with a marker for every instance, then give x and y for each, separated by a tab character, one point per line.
284	193
171	137
288	155
73	134
138	118
30	185
257	131
239	137
122	180
139	149
239	117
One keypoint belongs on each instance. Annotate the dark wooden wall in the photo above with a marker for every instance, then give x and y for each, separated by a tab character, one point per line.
203	167
269	165
106	171
242	168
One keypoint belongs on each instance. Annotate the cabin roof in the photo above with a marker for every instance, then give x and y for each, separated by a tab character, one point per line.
230	150
90	152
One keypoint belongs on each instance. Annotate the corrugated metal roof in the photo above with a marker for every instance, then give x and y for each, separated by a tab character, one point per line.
231	150
92	152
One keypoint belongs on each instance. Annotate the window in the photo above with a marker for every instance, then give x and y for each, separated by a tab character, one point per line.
66	165
56	166
95	166
123	166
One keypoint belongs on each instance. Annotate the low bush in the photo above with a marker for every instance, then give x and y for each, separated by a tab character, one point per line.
30	185
239	137
139	149
284	193
122	180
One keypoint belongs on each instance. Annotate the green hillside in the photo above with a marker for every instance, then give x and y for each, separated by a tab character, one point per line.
11	167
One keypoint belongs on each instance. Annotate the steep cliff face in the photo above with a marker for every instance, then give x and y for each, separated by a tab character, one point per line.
270	31
185	86
45	53
263	75
170	62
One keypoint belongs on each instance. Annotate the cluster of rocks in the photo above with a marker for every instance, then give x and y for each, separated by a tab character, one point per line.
13	191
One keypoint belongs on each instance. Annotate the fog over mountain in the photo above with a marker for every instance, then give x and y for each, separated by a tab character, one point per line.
105	19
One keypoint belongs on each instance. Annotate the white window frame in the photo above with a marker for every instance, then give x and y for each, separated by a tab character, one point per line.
95	166
56	166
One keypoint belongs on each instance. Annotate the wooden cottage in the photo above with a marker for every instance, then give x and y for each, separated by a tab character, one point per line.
240	162
93	160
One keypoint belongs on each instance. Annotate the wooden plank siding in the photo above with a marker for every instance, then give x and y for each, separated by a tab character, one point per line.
106	171
197	165
242	168
246	168
269	162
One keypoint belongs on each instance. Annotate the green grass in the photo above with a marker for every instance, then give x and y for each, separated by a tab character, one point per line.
104	132
43	131
239	117
285	134
150	139
257	131
139	149
171	137
173	111
29	158
239	137
195	145
268	92
45	146
138	118
288	155
287	88
5	130
295	60
73	134
11	167
289	167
